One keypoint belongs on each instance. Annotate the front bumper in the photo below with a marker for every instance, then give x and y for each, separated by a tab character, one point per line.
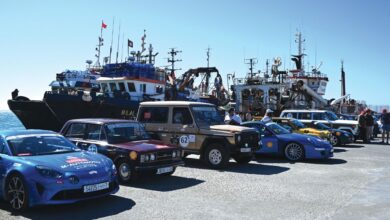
51	192
318	152
152	169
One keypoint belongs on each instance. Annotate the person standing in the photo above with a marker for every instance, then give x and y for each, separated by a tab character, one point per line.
370	125
232	118
248	117
267	117
362	126
385	120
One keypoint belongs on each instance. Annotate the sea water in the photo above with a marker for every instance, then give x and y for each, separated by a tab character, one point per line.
8	121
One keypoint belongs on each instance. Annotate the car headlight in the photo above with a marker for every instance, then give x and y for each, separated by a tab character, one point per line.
152	157
48	172
174	154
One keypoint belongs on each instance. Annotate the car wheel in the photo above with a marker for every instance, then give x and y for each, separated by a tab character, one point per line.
334	140
17	193
294	152
216	156
125	172
242	159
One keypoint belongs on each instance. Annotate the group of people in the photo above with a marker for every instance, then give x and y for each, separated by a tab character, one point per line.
366	122
236	119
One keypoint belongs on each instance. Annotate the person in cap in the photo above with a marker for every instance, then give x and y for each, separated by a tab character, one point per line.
267	117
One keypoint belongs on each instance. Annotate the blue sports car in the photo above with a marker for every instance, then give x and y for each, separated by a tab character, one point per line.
274	139
40	167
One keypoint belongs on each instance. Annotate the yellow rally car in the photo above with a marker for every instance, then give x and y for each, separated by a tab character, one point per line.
296	126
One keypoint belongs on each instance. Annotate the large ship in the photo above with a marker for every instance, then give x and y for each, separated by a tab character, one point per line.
278	90
111	90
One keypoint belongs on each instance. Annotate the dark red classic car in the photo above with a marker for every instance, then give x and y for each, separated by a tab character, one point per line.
126	143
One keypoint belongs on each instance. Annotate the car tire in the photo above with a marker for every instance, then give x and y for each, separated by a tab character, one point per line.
216	156
334	140
294	152
125	171
17	194
242	159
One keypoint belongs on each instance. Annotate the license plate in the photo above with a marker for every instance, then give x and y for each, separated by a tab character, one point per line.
164	170
245	150
96	187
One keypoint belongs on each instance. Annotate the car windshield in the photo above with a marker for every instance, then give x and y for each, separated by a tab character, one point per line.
298	124
321	126
277	129
206	116
32	145
125	132
331	116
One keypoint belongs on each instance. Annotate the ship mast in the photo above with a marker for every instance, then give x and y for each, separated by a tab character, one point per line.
172	60
343	92
208	56
99	45
251	62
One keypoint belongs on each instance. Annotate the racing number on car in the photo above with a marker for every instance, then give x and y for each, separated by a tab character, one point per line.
92	148
184	141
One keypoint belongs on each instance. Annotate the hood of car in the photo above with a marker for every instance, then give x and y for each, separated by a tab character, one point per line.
69	162
145	145
230	128
313	131
293	137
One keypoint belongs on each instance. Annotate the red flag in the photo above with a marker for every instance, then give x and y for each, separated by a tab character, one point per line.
104	25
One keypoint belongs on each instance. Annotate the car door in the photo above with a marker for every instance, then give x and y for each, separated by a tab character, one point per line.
269	141
3	154
183	127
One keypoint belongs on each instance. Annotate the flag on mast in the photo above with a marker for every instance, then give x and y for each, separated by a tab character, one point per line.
104	25
129	43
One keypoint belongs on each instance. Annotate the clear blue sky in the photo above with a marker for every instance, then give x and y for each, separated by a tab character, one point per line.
41	38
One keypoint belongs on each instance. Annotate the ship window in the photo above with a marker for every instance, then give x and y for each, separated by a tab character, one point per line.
131	87
142	88
182	116
76	131
104	87
153	114
122	86
112	87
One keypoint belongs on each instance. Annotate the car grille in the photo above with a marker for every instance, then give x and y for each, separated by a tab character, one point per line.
79	194
164	155
250	138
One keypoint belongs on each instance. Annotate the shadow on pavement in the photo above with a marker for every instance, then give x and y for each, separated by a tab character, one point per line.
90	209
339	150
331	161
353	146
250	168
164	184
278	159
